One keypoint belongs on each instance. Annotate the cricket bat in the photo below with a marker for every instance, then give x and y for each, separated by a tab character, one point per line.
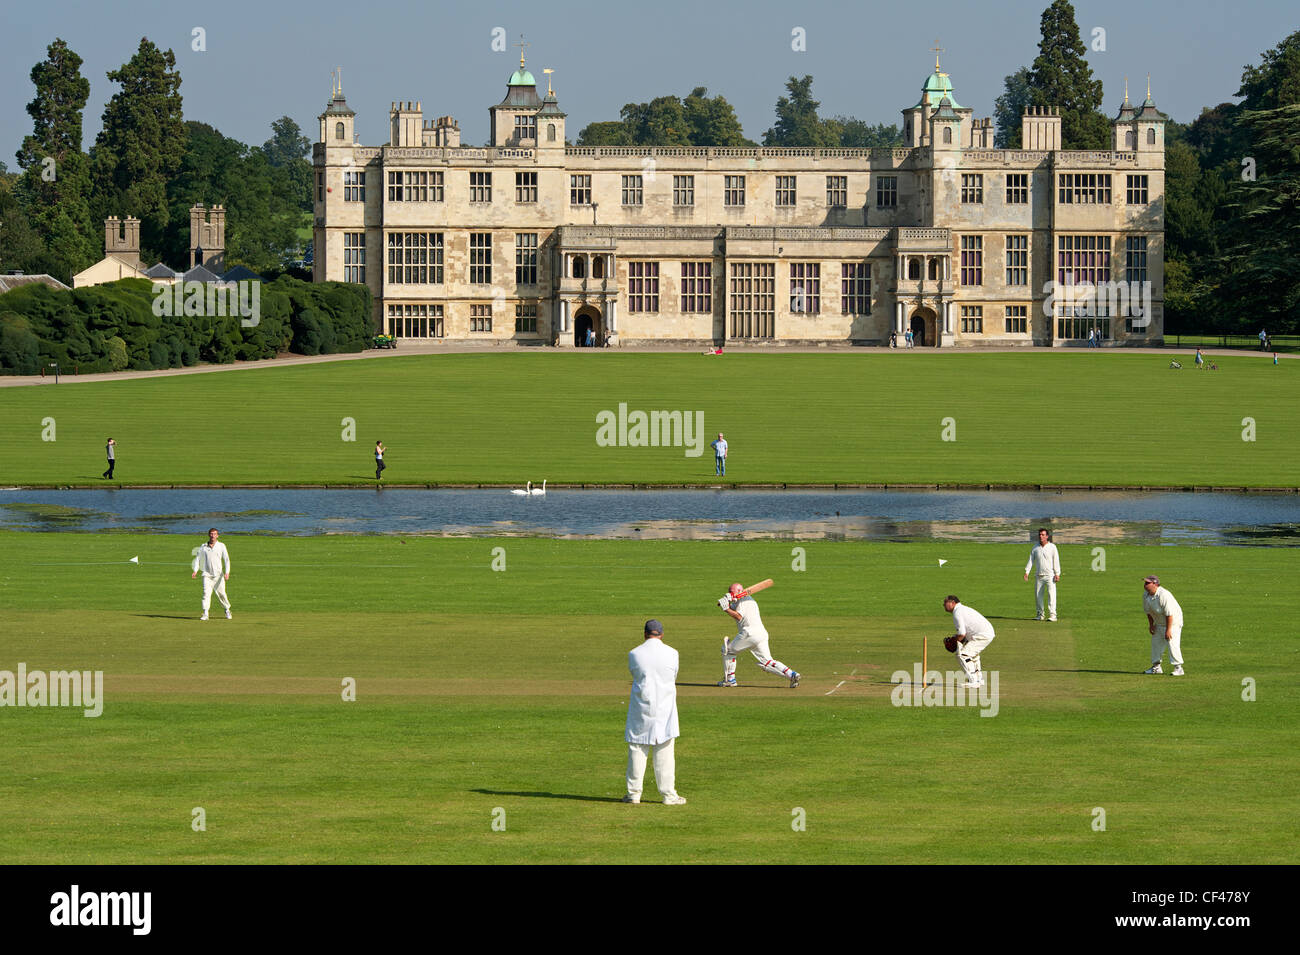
755	588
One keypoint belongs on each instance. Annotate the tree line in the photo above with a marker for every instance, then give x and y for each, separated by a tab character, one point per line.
703	120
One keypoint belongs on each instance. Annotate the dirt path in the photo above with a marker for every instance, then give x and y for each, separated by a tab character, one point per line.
432	348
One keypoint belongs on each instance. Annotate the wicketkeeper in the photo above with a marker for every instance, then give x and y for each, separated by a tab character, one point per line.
974	633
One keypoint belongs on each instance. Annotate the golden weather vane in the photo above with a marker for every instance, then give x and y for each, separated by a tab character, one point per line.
549	91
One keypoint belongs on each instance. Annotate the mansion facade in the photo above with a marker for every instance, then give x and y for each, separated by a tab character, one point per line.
532	241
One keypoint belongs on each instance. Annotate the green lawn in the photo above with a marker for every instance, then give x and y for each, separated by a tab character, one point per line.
479	690
1097	418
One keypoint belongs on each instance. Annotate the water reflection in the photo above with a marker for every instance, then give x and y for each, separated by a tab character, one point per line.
988	516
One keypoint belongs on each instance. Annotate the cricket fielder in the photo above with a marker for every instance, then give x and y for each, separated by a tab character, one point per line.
211	559
1045	562
974	633
1165	622
750	635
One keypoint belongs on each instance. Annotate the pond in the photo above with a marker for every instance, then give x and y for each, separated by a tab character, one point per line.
906	515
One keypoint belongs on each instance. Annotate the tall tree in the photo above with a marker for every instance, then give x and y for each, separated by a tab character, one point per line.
55	186
660	122
1261	281
286	151
21	247
610	133
855	133
797	122
697	120
1062	78
1276	81
712	120
1010	107
286	144
142	143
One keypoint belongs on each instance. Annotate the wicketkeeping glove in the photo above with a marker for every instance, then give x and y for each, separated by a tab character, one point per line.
950	643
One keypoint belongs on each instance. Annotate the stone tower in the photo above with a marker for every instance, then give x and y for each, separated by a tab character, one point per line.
122	239
514	119
208	238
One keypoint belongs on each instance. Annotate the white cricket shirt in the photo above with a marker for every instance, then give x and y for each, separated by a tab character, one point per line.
750	623
210	559
1162	604
1044	561
970	622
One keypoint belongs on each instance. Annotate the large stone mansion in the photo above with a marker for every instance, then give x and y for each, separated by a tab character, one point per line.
530	240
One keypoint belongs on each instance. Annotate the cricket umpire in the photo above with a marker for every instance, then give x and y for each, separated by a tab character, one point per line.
652	715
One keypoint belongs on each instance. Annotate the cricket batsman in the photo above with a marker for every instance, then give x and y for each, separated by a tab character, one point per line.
739	604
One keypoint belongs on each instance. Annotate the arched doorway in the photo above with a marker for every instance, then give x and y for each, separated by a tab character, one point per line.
923	328
587	327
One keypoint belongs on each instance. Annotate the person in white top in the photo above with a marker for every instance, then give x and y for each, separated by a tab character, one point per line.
750	635
974	633
212	559
1165	623
652	715
1045	562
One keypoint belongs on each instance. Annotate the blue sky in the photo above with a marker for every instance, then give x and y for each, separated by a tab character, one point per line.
264	60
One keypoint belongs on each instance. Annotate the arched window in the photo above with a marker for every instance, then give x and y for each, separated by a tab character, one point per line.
338	130
907	130
1151	137
579	266
947	135
598	267
550	132
934	268
913	269
1131	139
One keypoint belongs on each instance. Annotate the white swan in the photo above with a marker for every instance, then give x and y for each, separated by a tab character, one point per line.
523	493
537	491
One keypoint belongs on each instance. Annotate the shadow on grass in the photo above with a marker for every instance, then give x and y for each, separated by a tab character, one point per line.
166	616
540	795
1062	670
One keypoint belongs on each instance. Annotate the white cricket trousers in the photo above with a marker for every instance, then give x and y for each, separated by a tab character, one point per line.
755	644
968	655
665	767
1174	643
218	584
1048	584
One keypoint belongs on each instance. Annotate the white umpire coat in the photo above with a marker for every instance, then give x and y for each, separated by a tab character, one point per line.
652	707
